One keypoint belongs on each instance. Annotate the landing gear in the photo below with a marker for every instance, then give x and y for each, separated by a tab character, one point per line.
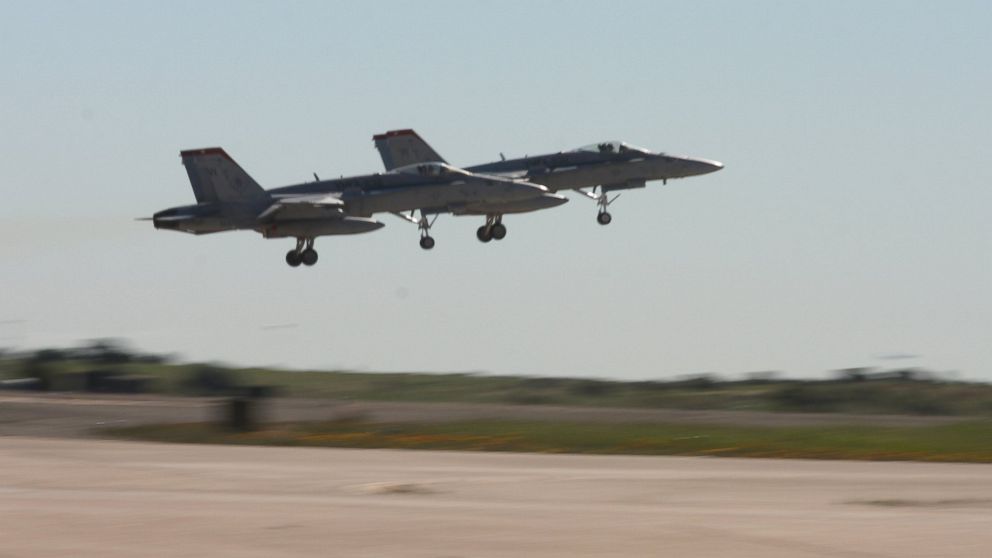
426	240
302	254
309	256
493	229
293	258
499	231
484	234
603	201
424	224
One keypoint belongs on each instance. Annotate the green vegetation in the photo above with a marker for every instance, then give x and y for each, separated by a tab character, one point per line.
960	442
907	391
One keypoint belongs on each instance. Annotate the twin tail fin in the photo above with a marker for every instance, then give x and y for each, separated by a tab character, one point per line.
215	177
399	148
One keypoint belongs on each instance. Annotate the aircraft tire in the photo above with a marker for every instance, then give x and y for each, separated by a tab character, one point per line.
604	218
426	242
498	231
308	257
484	234
293	258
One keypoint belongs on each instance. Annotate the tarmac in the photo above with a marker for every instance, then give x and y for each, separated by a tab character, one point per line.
108	499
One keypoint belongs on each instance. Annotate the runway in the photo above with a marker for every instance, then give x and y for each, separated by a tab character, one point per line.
111	499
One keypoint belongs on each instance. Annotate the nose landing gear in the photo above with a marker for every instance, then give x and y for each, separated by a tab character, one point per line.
603	217
426	240
424	224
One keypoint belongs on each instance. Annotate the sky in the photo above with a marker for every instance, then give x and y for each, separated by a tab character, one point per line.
851	223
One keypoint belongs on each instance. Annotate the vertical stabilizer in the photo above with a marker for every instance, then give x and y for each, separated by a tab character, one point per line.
215	177
399	148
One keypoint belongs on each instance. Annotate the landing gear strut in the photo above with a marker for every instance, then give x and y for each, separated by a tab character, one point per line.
603	201
493	229
426	240
302	254
424	224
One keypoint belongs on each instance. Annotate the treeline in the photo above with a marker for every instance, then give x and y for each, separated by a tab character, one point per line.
109	366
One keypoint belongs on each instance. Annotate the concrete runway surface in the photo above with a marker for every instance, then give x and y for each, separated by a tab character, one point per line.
109	499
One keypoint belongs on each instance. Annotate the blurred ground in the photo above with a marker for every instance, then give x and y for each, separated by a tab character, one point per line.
73	414
111	499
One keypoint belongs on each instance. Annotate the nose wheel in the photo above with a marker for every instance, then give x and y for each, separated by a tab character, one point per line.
424	224
603	201
303	253
494	229
426	240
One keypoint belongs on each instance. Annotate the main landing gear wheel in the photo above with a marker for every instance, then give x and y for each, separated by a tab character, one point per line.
604	218
302	254
308	257
493	229
426	242
498	231
484	234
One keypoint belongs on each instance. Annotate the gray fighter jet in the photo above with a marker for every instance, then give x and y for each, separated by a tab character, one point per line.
594	171
229	199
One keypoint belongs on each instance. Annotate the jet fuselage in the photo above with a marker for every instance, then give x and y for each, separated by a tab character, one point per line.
612	165
432	187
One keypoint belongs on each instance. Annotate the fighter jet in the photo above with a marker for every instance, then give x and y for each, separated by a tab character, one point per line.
595	170
227	198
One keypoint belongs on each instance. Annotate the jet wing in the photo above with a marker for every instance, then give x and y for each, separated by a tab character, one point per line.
308	206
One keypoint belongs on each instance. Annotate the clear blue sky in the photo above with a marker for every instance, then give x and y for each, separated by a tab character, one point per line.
852	220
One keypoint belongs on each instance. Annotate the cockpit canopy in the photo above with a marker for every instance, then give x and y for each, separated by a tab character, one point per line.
429	169
614	147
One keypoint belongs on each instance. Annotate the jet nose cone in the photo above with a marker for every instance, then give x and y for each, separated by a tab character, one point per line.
682	167
705	166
